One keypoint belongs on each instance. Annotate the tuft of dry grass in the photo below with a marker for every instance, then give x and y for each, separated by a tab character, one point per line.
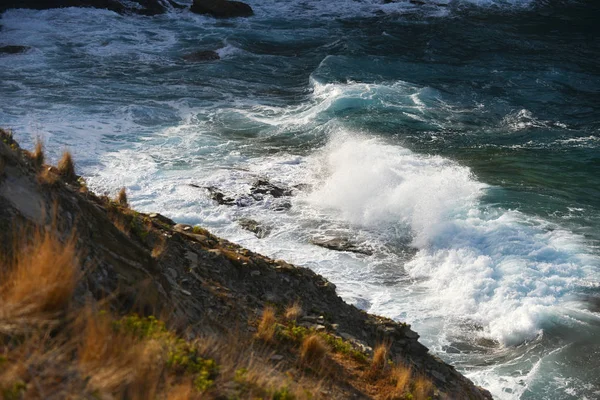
293	312
380	357
66	167
40	279
47	177
121	223
37	156
401	377
117	362
122	198
266	327
313	350
423	388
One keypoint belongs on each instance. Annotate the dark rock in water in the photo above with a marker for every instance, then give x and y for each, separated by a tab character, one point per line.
341	244
222	8
281	206
143	7
14	49
263	187
206	55
219	197
255	227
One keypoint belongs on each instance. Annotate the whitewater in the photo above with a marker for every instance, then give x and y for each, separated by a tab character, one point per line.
459	141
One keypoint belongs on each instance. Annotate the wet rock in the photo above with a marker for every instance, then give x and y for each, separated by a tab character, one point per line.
142	7
14	49
281	206
341	244
183	228
255	227
263	187
161	218
219	197
199	56
222	8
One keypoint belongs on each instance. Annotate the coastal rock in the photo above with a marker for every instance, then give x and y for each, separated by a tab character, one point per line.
219	196
222	8
142	7
255	227
199	56
341	244
162	219
263	187
13	49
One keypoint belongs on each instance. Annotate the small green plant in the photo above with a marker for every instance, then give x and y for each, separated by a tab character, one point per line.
13	392
291	333
283	394
338	345
182	356
141	328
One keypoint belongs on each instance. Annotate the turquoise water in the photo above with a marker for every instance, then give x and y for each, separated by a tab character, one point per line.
460	142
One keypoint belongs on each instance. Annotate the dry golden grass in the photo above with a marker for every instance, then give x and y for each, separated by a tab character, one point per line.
248	371
66	167
121	223
37	156
401	377
122	198
117	362
181	392
39	281
423	388
313	350
47	177
266	327
293	312
380	357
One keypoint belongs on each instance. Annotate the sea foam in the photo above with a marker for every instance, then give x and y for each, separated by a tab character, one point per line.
497	269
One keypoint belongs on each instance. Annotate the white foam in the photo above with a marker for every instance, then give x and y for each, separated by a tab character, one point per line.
499	269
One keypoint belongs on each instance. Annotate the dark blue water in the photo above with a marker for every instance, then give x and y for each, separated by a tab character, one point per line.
461	142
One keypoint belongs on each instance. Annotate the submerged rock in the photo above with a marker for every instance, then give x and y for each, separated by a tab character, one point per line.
255	227
222	8
341	244
263	187
205	55
14	49
219	196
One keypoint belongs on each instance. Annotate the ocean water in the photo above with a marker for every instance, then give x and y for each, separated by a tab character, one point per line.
460	140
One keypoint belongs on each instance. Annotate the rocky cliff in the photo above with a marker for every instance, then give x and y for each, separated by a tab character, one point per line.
147	263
